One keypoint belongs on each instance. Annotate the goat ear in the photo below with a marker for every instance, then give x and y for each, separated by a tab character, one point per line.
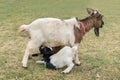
90	11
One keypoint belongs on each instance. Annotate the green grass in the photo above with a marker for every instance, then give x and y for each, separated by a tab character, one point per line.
100	56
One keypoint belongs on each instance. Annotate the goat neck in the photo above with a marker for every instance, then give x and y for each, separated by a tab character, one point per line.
88	22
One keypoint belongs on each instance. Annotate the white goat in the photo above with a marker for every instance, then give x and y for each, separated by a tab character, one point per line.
63	58
50	32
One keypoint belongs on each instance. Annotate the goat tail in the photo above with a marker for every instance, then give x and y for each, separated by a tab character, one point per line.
22	28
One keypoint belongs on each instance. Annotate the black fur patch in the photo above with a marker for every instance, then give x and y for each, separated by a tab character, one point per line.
50	66
35	54
96	30
47	52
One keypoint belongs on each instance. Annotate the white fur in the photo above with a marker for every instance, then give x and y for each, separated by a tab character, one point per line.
95	11
63	58
50	32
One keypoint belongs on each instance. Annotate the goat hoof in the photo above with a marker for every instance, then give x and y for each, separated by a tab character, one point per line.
35	55
78	64
25	67
62	72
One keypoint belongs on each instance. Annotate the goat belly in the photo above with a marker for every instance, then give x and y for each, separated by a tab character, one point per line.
63	37
53	43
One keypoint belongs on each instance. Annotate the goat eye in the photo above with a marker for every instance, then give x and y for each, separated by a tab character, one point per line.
99	17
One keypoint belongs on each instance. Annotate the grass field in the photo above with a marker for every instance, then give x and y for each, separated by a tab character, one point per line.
100	56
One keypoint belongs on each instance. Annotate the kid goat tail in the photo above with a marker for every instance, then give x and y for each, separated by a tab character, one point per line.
23	28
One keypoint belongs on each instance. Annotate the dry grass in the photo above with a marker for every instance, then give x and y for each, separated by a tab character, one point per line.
100	57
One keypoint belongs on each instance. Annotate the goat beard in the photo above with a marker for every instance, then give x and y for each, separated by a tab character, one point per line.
96	30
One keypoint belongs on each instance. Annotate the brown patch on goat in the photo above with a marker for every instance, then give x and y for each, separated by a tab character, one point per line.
93	21
56	49
78	34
